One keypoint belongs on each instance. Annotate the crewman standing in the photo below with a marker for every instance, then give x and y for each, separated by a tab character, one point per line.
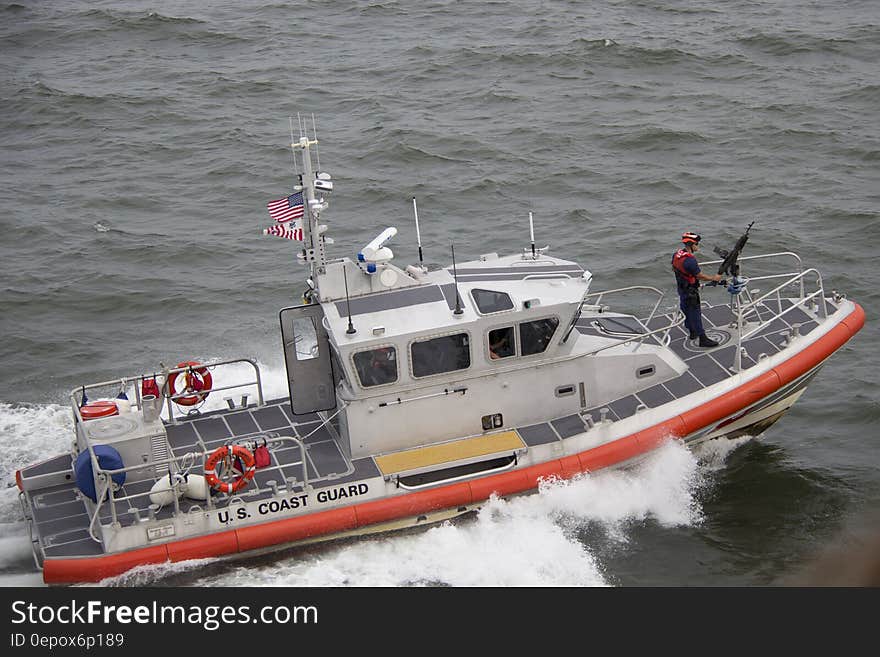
688	277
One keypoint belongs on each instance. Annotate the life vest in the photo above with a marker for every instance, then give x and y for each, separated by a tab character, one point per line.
678	267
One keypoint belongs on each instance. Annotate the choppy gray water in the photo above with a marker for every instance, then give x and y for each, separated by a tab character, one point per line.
141	141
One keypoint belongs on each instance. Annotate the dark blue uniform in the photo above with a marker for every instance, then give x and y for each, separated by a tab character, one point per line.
688	290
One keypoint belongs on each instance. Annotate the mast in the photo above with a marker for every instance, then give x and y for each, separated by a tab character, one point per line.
313	241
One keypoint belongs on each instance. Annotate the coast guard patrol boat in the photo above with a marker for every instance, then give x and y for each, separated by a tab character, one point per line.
414	395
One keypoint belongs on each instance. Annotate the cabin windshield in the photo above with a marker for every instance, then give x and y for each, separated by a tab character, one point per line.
535	336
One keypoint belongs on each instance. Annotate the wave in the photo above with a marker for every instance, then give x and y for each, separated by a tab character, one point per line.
793	43
121	18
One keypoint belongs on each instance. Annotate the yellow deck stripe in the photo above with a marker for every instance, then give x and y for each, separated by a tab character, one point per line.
423	457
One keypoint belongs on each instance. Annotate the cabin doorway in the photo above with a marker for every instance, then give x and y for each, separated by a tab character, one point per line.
307	358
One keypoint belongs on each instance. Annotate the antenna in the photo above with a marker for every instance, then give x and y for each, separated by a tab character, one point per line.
458	310
532	233
418	235
351	329
300	122
292	152
315	132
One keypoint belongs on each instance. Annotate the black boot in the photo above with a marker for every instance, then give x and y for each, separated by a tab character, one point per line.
707	342
693	336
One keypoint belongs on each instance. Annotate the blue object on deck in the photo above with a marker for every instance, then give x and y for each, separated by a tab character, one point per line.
108	459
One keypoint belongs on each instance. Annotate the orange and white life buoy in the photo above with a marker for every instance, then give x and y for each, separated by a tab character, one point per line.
197	379
100	408
234	458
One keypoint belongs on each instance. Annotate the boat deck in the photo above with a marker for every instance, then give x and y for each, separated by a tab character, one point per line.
60	517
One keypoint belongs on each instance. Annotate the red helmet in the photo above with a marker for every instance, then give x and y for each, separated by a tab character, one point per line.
690	238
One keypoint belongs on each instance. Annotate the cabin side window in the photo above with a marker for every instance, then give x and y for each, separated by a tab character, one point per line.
376	367
535	336
437	355
501	343
489	301
305	337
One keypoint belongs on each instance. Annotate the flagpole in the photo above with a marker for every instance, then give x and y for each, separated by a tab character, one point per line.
532	234
418	235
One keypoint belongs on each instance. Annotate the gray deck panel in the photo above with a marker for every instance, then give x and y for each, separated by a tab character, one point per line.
212	429
778	325
518	269
295	472
298	419
287	456
84	547
56	495
806	327
70	536
658	322
60	463
568	426
683	385
624	407
382	301
707	370
270	417
56	511
596	414
241	423
725	356
719	316
314	434
655	396
181	435
757	346
327	458
448	290
777	339
64	523
537	434
364	468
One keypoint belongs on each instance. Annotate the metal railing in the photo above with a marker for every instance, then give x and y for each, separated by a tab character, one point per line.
746	308
169	396
174	465
639	338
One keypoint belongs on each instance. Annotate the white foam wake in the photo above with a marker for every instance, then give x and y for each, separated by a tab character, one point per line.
529	540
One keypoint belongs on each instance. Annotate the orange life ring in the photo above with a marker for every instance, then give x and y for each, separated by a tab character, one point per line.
197	379
230	454
96	409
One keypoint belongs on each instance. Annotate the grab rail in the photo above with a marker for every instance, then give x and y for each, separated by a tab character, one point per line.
138	380
597	305
105	476
744	310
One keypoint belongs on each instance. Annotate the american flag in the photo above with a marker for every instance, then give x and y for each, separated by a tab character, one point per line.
285	209
293	232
